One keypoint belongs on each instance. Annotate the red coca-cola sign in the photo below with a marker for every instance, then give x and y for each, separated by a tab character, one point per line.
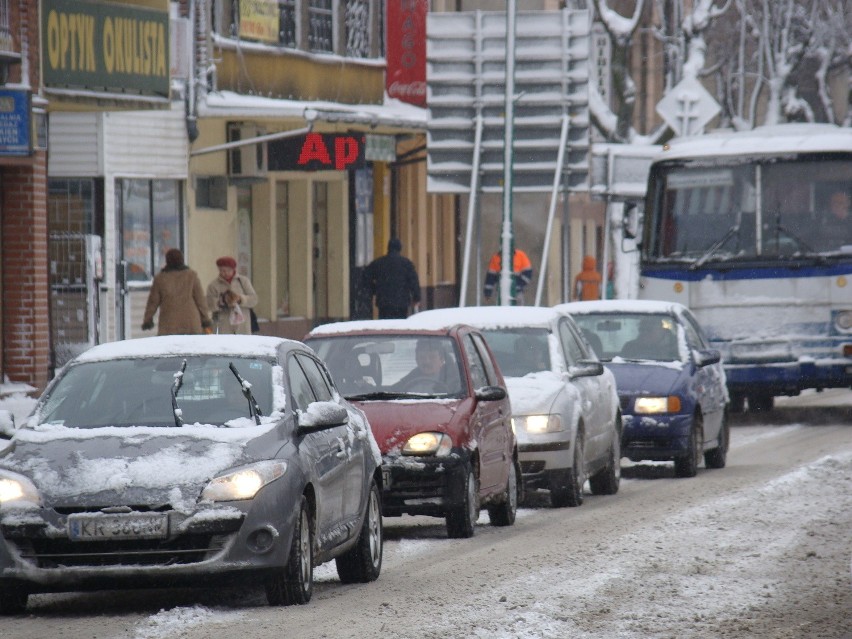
406	50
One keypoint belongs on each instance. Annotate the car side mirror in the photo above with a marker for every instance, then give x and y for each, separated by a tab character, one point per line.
322	415
490	393
706	357
7	424
586	368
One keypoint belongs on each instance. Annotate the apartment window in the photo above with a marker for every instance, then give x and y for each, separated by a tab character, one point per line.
357	22
320	26
288	21
211	192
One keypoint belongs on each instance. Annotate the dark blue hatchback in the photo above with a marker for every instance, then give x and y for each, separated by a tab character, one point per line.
671	385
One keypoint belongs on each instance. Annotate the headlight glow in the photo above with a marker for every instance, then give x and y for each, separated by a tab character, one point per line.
656	405
243	483
537	424
14	487
437	444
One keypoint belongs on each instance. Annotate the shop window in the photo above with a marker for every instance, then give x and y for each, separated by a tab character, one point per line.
320	26
150	214
357	21
211	192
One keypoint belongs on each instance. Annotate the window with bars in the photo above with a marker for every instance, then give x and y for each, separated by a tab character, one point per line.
311	25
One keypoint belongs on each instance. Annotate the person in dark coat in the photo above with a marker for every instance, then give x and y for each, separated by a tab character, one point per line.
176	292
392	280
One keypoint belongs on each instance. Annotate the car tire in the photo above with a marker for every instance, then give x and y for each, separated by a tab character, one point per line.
566	487
504	513
363	562
294	585
13	601
607	480
717	457
761	402
687	465
461	519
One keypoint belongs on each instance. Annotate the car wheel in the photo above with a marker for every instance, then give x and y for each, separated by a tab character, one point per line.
295	583
13	601
760	402
687	465
717	457
363	562
566	488
607	480
504	513
737	402
461	519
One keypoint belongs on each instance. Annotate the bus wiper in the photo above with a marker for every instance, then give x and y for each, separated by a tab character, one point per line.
800	243
178	413
710	252
254	408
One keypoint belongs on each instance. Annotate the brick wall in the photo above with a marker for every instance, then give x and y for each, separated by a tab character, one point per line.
25	302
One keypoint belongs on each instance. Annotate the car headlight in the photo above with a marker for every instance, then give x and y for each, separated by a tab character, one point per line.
437	444
537	424
656	405
15	487
243	483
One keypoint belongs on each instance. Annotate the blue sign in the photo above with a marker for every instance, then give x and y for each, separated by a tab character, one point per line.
15	123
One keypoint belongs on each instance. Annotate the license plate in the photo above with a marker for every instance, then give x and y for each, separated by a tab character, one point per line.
386	477
104	527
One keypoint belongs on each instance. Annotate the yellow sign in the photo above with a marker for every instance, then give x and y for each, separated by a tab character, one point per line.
259	20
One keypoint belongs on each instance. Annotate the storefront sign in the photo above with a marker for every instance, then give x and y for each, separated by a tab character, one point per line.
15	122
380	148
105	47
406	50
317	152
259	20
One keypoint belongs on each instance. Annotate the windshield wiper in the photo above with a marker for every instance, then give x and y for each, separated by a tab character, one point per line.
800	243
391	395
710	252
175	388
254	408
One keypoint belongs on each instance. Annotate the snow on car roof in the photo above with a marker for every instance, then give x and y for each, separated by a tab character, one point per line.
392	325
486	317
619	306
166	345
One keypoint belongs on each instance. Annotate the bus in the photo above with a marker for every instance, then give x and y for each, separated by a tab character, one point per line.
752	231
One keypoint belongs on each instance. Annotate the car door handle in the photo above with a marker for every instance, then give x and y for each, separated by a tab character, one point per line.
341	448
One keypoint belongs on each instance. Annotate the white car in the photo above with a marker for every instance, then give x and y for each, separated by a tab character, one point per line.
565	409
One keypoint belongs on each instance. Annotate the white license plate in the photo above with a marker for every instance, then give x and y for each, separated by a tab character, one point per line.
386	477
103	527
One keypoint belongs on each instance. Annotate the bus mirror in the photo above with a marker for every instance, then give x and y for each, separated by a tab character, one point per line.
630	221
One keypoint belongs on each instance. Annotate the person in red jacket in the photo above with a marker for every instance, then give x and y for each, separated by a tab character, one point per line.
522	272
587	284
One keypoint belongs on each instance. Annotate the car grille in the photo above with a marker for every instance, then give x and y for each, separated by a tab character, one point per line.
624	400
58	553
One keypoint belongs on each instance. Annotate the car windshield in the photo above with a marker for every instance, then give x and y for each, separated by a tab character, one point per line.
138	392
520	351
641	336
388	366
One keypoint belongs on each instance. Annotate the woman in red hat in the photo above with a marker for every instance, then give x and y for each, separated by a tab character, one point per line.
230	297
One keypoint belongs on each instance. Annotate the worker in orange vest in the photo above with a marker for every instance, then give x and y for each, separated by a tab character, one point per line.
522	272
587	284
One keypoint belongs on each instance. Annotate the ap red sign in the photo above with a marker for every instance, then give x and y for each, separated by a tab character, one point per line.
317	151
406	50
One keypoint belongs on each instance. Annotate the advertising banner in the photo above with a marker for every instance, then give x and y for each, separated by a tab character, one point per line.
259	20
15	122
406	51
317	152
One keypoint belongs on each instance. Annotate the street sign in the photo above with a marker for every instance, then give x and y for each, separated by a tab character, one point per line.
688	107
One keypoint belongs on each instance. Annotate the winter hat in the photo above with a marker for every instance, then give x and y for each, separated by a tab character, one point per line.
230	262
174	258
394	245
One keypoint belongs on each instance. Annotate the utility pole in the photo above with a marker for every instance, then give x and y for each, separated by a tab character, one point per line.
507	243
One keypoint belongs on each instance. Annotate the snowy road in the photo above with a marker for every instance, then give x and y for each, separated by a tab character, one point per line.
761	548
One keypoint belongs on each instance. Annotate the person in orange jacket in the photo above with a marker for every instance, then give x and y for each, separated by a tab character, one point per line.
522	272
587	284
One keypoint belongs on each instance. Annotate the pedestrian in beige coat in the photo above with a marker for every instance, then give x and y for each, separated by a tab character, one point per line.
225	292
178	295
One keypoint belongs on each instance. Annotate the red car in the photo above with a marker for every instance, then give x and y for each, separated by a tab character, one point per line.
438	408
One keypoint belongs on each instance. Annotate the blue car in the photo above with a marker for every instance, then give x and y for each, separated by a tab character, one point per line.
671	386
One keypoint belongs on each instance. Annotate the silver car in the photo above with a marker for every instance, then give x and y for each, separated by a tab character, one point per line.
187	460
565	409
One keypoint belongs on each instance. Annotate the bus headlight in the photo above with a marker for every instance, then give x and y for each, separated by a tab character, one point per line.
843	320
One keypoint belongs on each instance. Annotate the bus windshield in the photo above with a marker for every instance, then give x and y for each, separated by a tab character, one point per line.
713	209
